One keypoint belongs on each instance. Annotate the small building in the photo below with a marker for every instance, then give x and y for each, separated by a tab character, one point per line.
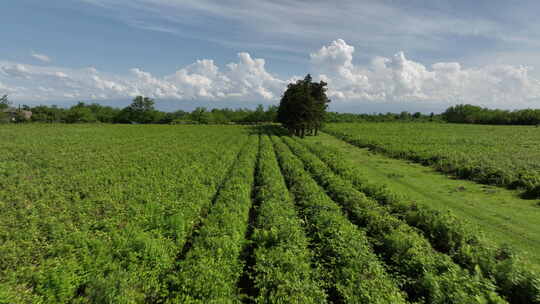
13	113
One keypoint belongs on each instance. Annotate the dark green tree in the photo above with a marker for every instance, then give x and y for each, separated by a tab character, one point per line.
80	113
200	115
271	114
4	102
141	110
48	114
303	106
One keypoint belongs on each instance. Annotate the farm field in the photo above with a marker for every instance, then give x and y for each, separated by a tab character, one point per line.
502	214
229	214
499	155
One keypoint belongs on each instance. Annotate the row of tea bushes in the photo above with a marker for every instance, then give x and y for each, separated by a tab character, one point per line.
428	275
353	271
464	243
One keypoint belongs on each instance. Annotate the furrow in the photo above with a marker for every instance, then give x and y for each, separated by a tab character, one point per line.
427	275
447	234
211	269
352	271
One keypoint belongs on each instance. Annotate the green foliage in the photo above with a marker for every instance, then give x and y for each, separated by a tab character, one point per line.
478	153
169	214
303	106
448	234
79	113
211	269
94	214
382	117
428	275
48	114
4	102
141	110
353	270
283	272
465	113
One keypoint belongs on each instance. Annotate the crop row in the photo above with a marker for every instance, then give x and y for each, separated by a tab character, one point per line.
353	272
447	234
283	263
479	153
210	271
427	275
105	225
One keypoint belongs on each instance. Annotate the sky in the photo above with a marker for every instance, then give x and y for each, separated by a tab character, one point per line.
376	56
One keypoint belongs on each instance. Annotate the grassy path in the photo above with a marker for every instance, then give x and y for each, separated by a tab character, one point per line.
500	213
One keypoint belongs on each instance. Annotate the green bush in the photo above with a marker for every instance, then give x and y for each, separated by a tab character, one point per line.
353	271
447	234
283	272
429	275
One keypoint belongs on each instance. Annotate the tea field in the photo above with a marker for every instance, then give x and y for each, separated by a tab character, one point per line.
499	155
229	214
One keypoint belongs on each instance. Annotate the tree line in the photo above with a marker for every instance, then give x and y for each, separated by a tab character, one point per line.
403	116
466	113
302	110
141	111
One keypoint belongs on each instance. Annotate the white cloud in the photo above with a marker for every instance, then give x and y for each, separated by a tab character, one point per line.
383	80
246	79
453	30
399	79
41	57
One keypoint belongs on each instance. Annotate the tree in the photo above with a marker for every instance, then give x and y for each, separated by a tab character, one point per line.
303	106
141	110
271	114
103	113
79	113
200	115
4	102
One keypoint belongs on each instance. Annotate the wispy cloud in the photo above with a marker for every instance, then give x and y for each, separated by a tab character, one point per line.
41	57
380	27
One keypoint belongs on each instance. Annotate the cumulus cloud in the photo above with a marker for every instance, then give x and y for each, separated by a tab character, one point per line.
246	79
399	79
396	79
41	57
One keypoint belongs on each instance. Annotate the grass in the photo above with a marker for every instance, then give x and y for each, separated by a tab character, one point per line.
154	214
493	155
505	218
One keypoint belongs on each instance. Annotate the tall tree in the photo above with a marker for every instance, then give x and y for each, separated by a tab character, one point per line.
4	102
141	110
79	113
303	107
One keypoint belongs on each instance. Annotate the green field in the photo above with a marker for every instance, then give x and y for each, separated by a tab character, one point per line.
239	214
498	155
501	214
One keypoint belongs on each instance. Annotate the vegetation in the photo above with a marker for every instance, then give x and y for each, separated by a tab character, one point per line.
430	276
404	116
473	114
282	271
353	270
214	256
479	153
4	102
142	110
100	214
447	233
95	213
302	107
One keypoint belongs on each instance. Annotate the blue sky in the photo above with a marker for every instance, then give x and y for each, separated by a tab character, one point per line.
375	55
